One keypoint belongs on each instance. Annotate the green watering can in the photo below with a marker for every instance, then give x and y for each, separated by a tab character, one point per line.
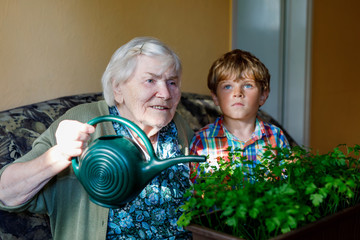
113	169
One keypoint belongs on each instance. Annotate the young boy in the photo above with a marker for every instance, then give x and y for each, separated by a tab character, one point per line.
239	85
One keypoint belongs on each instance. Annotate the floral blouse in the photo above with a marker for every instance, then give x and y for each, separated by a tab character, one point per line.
154	213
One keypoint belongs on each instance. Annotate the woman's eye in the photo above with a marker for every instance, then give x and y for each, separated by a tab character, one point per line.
172	83
149	80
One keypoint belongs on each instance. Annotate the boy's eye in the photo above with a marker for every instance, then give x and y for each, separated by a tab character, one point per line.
248	86
227	86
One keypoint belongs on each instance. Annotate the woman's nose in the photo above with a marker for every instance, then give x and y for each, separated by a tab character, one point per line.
163	91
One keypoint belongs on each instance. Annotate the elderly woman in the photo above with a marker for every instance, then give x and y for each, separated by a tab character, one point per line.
141	83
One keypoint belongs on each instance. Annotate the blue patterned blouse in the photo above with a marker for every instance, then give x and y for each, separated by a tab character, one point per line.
154	213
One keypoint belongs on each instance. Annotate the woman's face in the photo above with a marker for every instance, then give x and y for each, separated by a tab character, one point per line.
150	96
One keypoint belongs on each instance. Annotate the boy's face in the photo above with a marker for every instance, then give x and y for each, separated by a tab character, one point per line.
239	99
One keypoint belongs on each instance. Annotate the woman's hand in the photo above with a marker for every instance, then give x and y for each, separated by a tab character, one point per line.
72	137
21	181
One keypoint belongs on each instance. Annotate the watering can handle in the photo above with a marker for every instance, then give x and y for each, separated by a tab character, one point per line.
131	125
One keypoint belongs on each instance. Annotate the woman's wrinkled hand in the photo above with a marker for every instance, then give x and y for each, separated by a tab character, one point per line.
72	137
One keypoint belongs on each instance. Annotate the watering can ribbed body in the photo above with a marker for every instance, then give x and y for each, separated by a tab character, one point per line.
113	169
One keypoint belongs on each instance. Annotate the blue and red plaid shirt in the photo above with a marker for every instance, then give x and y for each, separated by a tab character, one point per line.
214	140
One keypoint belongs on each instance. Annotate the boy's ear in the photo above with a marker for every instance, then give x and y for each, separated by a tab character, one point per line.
215	99
264	96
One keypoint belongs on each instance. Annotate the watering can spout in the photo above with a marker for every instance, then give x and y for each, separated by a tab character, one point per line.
166	163
156	166
186	159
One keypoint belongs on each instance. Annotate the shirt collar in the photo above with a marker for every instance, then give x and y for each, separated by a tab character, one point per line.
219	130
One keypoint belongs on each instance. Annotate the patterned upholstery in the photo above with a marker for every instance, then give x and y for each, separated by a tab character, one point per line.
19	127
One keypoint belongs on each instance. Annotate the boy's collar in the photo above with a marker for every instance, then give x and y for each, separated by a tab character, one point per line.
256	135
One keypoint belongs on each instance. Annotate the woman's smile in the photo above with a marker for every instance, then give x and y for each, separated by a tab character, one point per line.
157	107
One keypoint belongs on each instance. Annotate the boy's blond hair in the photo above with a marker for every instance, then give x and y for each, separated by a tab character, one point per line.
238	64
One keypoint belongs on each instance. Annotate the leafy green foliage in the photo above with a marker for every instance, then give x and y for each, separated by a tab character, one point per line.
289	189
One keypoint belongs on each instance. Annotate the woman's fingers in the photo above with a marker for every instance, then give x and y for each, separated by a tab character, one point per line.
72	136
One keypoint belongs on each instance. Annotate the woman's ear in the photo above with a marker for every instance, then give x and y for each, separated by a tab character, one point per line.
118	95
215	98
264	96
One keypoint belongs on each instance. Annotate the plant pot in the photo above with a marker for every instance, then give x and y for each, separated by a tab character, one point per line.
204	233
339	226
201	230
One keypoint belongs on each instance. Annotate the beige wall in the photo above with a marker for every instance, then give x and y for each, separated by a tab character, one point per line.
52	48
335	104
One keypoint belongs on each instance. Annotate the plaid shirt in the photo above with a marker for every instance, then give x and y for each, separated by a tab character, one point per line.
214	140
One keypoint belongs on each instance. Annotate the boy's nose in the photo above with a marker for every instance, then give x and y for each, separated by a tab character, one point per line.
238	92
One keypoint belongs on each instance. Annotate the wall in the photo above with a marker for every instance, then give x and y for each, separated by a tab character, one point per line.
335	108
54	48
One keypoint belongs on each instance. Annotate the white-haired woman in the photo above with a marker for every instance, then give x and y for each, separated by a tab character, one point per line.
141	83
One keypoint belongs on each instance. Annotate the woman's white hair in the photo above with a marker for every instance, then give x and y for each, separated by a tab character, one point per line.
123	62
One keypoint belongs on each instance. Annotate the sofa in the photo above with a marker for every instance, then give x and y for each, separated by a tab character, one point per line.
20	126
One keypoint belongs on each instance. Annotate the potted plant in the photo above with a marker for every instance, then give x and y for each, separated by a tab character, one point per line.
290	189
